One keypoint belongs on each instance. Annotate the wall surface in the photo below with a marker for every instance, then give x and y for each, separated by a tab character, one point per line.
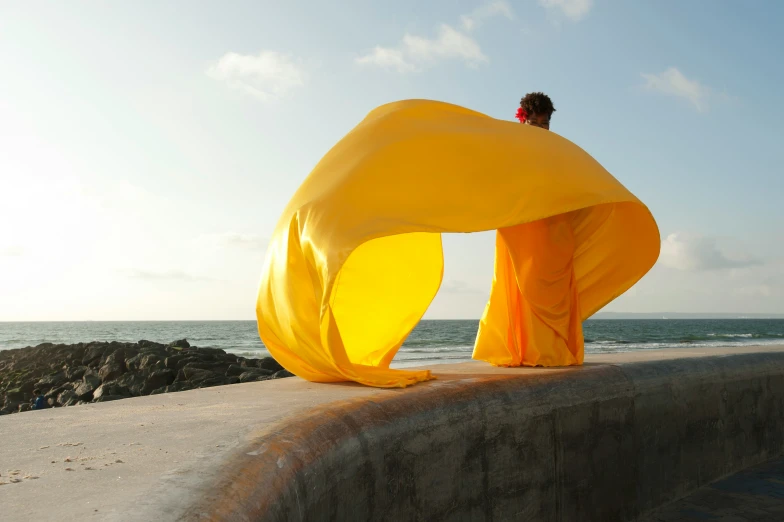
607	441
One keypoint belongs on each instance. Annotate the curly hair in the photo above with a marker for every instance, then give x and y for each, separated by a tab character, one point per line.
537	103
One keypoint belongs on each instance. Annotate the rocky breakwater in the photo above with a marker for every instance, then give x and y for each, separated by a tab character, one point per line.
53	375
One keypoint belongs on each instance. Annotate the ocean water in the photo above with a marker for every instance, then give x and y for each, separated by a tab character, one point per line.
432	342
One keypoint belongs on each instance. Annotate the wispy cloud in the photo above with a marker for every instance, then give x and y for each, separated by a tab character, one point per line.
450	43
252	242
696	253
166	275
457	286
489	10
572	9
388	58
415	53
672	82
268	76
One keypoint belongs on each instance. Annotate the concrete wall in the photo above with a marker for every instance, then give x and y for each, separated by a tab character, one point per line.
606	442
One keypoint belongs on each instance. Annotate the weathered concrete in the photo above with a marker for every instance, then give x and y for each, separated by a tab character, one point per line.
607	441
755	494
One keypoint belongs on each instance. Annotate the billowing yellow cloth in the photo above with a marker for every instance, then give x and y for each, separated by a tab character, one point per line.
356	257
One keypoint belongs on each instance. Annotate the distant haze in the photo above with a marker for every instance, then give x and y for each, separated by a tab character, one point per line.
665	315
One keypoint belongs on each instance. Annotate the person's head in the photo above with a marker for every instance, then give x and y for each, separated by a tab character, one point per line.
536	109
36	392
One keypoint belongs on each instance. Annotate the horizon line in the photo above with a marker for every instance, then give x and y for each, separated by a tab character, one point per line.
738	315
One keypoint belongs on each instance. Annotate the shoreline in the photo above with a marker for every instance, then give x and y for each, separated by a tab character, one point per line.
60	375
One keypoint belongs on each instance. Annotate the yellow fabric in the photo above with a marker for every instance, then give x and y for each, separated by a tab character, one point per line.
356	257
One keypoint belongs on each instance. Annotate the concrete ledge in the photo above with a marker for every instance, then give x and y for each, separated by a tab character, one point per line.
607	441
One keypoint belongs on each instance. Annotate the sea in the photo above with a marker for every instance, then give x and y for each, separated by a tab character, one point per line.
431	342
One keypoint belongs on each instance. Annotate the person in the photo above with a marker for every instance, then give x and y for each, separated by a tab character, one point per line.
533	315
40	401
536	109
356	257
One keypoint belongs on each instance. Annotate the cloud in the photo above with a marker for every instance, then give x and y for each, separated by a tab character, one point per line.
449	44
253	242
672	82
572	9
694	253
388	59
489	10
249	241
415	53
166	275
457	287
267	76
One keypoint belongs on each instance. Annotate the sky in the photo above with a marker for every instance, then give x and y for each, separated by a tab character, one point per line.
148	148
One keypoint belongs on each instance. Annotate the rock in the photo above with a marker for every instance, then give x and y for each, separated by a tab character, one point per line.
219	380
216	352
252	375
149	361
134	381
113	368
268	363
213	367
93	353
111	389
172	360
55	392
235	370
134	363
67	398
98	371
195	374
73	353
15	395
51	381
90	383
185	361
106	398
281	374
179	386
11	407
27	387
74	374
157	380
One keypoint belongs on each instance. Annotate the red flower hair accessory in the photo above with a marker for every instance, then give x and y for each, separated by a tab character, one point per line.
521	115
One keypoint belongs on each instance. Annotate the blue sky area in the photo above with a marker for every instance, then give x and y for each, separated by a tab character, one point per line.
147	148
